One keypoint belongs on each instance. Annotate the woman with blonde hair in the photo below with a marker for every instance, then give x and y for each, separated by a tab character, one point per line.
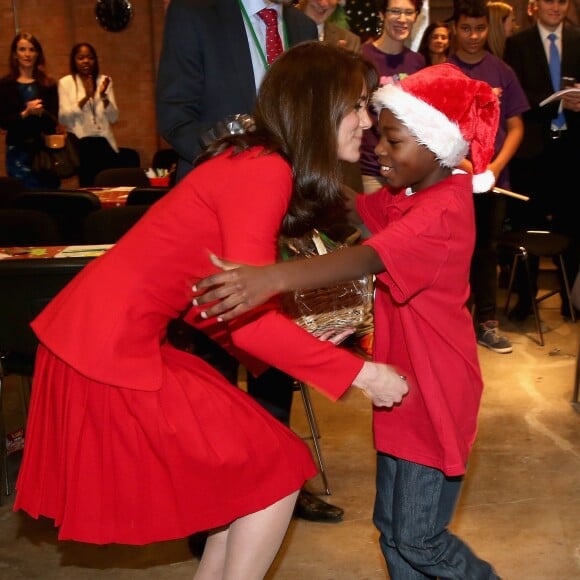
502	23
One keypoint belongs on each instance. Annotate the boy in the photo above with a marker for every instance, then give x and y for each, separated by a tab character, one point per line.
423	237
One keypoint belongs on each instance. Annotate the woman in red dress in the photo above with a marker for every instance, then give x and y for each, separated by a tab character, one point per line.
132	441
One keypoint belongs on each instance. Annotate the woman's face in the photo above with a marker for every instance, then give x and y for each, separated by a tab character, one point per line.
439	40
510	25
26	54
85	61
351	129
403	161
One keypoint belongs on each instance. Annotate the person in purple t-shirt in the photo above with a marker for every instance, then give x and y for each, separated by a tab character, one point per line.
471	21
393	60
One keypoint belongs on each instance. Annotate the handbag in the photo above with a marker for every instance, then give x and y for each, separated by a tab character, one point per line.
58	154
334	308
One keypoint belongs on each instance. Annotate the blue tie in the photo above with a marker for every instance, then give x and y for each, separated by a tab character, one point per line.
555	73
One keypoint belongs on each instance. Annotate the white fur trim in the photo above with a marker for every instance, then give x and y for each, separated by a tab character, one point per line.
431	127
483	181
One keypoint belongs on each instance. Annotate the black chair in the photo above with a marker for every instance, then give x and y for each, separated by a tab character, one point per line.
28	227
10	187
26	287
146	195
106	226
129	157
122	177
165	159
68	208
539	244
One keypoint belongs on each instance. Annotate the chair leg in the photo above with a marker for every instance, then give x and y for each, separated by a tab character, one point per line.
511	282
315	433
567	288
4	483
576	393
25	386
535	309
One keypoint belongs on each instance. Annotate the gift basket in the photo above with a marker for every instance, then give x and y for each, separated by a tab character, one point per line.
321	310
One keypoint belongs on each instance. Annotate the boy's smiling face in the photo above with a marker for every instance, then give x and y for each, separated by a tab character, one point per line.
404	161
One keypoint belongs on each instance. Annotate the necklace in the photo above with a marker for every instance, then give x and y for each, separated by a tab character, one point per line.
255	37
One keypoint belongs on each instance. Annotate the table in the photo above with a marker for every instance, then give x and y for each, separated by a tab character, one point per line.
44	252
110	196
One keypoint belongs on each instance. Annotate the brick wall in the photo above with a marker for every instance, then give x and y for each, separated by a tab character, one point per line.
130	57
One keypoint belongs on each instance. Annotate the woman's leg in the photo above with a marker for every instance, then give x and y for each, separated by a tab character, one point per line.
211	565
248	547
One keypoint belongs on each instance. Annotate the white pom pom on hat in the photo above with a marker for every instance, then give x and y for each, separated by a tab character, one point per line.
453	115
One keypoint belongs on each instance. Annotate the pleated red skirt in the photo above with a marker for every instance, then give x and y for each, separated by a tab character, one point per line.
117	465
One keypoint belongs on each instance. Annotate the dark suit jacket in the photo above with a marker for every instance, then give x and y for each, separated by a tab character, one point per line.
524	52
205	70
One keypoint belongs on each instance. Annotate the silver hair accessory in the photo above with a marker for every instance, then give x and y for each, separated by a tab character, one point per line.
231	125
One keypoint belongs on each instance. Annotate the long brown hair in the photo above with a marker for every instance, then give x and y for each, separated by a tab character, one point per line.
498	13
38	73
426	39
300	105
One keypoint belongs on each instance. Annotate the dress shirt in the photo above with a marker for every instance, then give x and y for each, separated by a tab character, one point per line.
252	8
544	32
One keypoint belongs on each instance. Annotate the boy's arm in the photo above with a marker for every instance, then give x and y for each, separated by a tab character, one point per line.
241	288
514	136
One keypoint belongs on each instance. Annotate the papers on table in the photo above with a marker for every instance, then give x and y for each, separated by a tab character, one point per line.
84	251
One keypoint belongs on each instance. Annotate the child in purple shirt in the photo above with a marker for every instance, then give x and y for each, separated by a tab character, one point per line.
393	60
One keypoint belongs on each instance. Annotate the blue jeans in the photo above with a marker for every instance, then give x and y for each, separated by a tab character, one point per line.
413	507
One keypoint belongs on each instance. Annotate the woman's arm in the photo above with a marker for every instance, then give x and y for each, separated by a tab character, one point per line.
241	288
68	102
109	102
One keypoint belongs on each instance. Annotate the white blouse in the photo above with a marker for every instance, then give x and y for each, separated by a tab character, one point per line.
94	119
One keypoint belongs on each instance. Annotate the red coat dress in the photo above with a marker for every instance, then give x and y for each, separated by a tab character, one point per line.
422	324
132	441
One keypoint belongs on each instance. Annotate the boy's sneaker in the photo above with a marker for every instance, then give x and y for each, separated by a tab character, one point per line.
487	336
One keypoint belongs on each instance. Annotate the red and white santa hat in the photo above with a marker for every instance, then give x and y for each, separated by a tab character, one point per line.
453	115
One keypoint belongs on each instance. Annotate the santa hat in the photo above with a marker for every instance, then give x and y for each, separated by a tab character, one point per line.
453	115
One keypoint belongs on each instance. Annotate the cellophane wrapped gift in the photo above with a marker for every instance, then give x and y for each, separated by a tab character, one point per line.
321	310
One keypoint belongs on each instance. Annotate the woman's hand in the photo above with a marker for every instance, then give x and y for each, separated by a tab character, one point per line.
33	107
104	86
238	288
89	84
382	384
334	336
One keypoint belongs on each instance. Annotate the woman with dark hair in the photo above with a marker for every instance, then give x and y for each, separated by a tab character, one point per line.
436	42
87	107
28	108
132	441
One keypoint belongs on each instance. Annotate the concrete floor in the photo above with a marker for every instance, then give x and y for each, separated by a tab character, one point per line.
520	507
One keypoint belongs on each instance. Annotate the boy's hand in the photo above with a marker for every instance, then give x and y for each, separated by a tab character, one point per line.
238	289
